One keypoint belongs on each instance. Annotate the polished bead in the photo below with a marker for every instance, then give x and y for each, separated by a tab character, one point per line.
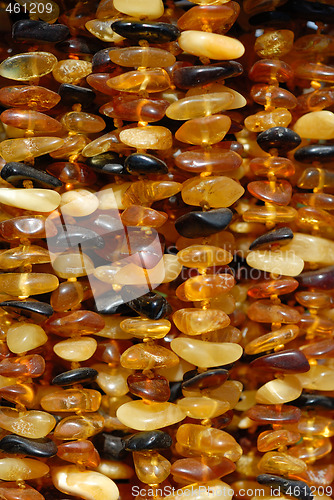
79	427
151	467
144	164
149	440
131	108
280	138
26	284
266	414
19	256
199	106
211	45
281	463
101	29
270	440
68	324
191	76
314	71
73	236
28	65
154	388
68	296
271	95
280	167
99	82
312	248
318	378
316	125
82	123
272	340
74	94
44	200
87	484
270	70
317	100
76	376
146	328
280	262
71	70
206	354
110	446
79	452
28	148
29	96
274	43
270	213
265	311
213	160
15	469
69	265
311	449
31	424
218	18
208	379
76	349
73	144
148	57
17	173
30	120
321	279
289	361
274	192
213	191
23	337
201	224
147	356
112	380
279	236
71	400
204	131
196	322
40	448
78	203
315	152
202	256
151	31
201	469
153	137
146	192
318	350
265	120
142	8
149	79
13	491
28	29
143	417
203	407
152	304
207	286
279	391
32	365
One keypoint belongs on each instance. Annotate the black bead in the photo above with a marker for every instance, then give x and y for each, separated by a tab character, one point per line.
71	236
41	448
282	236
112	303
109	446
321	279
297	489
191	76
313	11
315	152
101	61
148	440
16	173
73	94
25	307
281	138
175	391
273	18
27	29
210	378
151	31
79	46
152	304
76	376
196	224
138	163
107	163
314	401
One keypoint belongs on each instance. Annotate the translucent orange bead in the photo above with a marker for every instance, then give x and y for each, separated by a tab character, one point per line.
79	427
79	452
273	339
151	467
150	80
270	440
219	18
146	192
274	43
196	322
147	356
274	192
280	167
213	191
72	400
148	57
71	70
30	120
29	96
136	215
207	286
28	65
82	123
204	131
271	95
264	120
281	463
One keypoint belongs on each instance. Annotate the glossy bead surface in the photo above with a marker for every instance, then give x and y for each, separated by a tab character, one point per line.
206	354
140	416
28	65
211	45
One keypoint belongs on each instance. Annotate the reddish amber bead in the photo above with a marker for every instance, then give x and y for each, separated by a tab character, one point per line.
274	192
272	287
21	394
215	159
79	452
265	311
30	120
323	201
201	469
315	71
315	300
289	361
132	108
74	323
29	96
13	491
154	388
318	350
215	18
32	365
269	70
271	95
99	82
270	414
280	167
136	215
270	440
72	173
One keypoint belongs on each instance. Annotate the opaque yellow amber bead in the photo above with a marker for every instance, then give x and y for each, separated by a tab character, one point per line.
198	321
32	424
316	125
24	337
26	284
279	391
283	262
205	354
202	256
146	328
72	265
112	380
216	191
148	9
203	407
199	106
28	148
211	45
86	484
212	88
147	417
312	248
20	469
71	70
41	200
28	65
318	378
153	137
78	202
78	350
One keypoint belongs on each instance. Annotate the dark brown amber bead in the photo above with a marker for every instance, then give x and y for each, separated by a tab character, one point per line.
192	76
132	108
79	452
26	96
26	227
272	414
271	95
30	120
74	323
278	192
155	388
215	18
32	365
269	70
289	361
210	378
72	173
272	287
201	469
279	236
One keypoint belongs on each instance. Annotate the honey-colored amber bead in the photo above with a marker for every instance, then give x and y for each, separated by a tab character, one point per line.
146	328
113	381
199	106
318	350
142	79
12	491
26	227
131	108
22	337
283	262
201	469
87	484
211	45
323	201
136	215
82	123
15	257
213	160
198	321
313	425
202	256
79	427
26	284
214	191
28	65
153	137
315	71
76	349
265	311
148	356
79	452
167	269
203	407
73	144
78	202
72	400
146	192
31	424
274	462
72	265
273	339
102	30
148	57
152	9
264	120
238	102
81	322
16	469
273	96
274	192
279	391
115	469
151	467
21	394
71	70
265	289
207	286
218	18
270	440
29	96
270	213
270	70
198	440
28	148
316	125
204	131
205	354
280	167
30	120
318	378
312	448
146	417
274	43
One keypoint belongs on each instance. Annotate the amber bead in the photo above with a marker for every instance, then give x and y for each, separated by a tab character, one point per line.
32	424
212	160
217	18
153	137
67	296
146	417
136	215
32	365
318	350
133	108
201	469
29	96
289	361
201	106
154	32
28	148
28	65
281	463
82	123
207	286
206	354
274	192
192	76
214	191
270	95
280	167
79	427
270	440
271	340
12	491
196	322
72	400
79	452
270	70
71	70
76	349
150	80
264	311
265	289
30	120
155	388
148	356
271	414
264	120
78	375
211	45
70	323
280	236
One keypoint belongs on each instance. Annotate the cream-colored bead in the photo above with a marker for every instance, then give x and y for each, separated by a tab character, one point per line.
22	337
76	349
211	45
283	262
